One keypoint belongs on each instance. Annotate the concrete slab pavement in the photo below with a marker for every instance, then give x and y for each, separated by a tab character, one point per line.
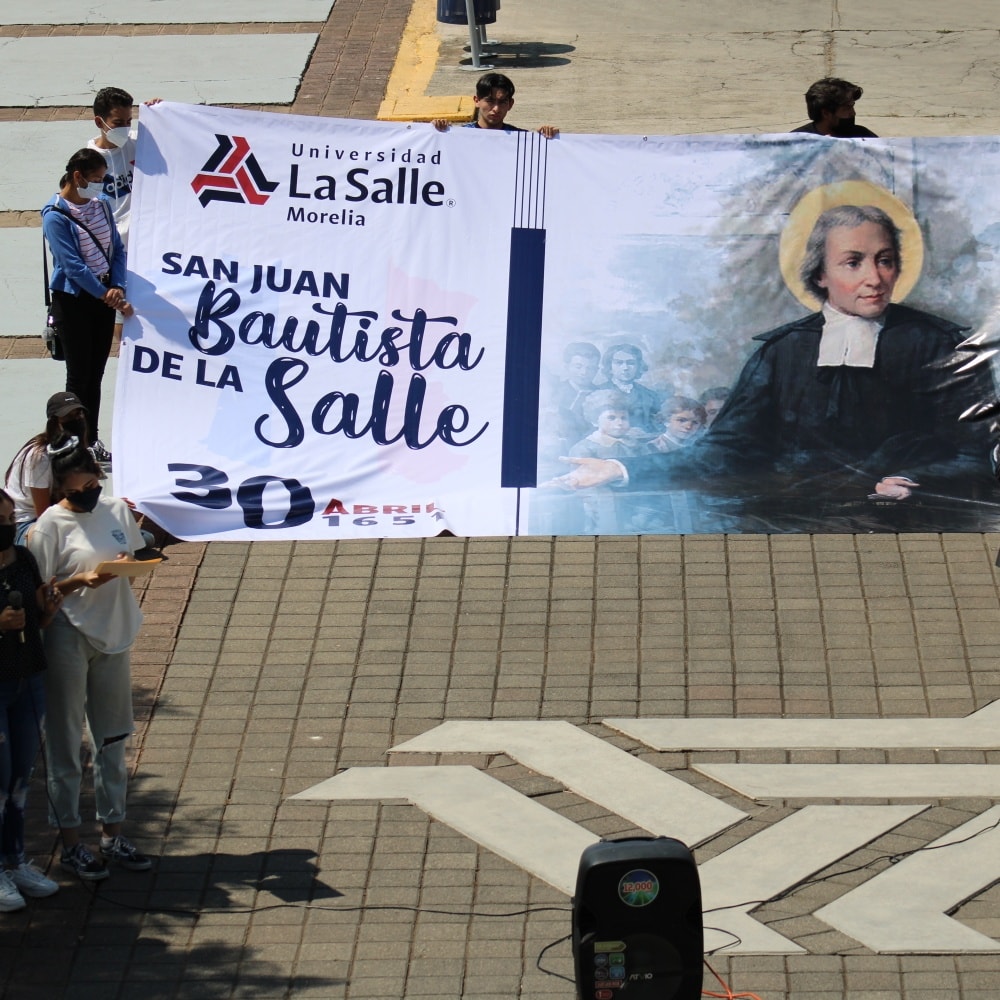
266	669
684	66
61	12
211	69
44	144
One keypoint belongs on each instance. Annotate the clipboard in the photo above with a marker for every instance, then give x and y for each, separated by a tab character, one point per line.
127	567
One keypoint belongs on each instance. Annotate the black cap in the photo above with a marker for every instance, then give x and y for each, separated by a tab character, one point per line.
62	403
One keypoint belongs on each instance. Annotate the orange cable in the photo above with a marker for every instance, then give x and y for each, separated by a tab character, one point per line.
729	994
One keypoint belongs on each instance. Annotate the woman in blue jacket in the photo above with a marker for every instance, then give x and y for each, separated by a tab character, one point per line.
88	278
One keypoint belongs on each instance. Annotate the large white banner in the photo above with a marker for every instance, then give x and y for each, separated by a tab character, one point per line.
320	310
360	329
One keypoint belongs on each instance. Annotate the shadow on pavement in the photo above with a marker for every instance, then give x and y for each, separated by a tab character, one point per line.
163	931
522	55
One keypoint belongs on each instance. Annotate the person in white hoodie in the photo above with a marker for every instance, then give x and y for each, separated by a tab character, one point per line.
116	143
113	116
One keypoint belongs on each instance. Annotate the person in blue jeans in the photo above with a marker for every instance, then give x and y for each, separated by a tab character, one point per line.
26	605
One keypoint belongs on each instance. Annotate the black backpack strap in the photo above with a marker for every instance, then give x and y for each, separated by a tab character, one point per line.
45	271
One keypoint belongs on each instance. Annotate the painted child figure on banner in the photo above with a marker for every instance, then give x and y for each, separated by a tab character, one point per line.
712	401
683	420
581	361
607	412
493	99
843	406
622	366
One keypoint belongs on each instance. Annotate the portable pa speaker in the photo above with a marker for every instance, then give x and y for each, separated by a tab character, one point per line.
637	921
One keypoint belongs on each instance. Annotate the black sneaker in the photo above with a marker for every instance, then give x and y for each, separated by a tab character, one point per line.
80	861
123	852
101	454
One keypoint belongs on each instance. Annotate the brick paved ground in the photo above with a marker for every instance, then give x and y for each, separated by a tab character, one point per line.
293	661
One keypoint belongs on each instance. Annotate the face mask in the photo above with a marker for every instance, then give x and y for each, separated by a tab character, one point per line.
7	536
85	500
118	136
91	190
77	427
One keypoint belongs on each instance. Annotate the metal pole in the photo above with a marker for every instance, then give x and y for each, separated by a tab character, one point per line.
483	43
474	47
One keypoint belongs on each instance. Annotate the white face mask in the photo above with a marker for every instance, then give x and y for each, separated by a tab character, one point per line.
91	190
118	136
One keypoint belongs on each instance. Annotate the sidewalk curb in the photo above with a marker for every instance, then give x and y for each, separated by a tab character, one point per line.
406	99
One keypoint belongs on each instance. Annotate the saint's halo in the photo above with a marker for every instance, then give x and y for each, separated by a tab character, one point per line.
792	248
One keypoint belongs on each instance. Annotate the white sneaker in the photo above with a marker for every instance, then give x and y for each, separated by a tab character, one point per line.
10	898
28	878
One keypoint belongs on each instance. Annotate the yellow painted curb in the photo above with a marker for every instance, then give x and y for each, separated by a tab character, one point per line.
425	109
405	94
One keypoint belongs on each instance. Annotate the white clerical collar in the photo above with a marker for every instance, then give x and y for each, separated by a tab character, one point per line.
847	340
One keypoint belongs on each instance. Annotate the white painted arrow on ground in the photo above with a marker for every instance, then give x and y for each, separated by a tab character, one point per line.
976	732
857	781
548	846
485	810
617	781
903	910
775	859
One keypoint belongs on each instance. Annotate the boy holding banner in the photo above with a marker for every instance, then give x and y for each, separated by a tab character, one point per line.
494	98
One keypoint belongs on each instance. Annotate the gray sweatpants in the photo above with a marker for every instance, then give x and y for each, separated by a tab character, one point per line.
83	683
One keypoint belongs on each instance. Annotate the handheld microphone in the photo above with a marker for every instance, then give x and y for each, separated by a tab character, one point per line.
16	601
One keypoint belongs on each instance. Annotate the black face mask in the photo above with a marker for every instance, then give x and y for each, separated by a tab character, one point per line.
77	427
844	126
7	532
85	500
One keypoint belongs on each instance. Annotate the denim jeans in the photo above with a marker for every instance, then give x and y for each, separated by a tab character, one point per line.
22	711
84	683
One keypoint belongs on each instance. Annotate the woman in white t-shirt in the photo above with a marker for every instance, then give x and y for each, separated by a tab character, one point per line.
87	646
28	480
87	280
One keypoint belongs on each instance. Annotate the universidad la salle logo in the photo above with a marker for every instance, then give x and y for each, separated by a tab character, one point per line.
232	173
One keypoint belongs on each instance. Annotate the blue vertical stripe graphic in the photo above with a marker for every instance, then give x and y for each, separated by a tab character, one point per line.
519	452
519	463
